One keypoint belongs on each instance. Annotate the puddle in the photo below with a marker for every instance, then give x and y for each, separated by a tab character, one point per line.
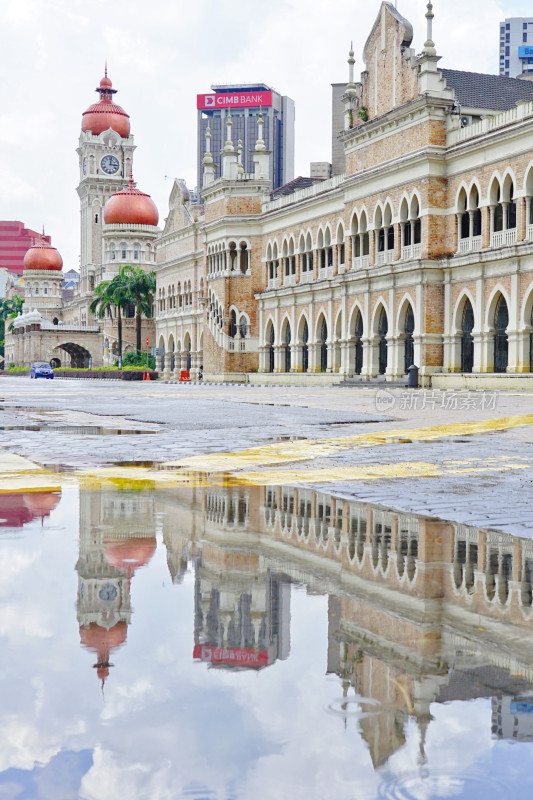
244	621
85	430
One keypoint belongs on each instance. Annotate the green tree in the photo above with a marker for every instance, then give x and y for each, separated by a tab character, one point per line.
141	288
9	309
112	294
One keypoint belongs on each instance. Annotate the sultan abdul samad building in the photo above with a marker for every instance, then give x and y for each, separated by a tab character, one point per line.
421	252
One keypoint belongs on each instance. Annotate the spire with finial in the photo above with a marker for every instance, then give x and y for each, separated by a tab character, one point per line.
240	168
260	144
105	69
429	45
208	158
228	147
351	64
207	162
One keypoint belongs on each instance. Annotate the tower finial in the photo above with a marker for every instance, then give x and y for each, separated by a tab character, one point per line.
260	144
429	46
351	63
105	70
228	147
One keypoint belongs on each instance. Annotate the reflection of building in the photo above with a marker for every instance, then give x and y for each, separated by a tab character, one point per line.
242	614
117	536
420	611
512	718
17	509
242	608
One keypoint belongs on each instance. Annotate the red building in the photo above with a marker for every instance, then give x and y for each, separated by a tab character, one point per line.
15	241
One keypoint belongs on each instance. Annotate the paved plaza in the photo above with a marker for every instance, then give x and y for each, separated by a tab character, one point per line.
462	456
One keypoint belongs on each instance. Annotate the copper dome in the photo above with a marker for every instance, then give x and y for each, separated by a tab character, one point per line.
131	206
43	256
127	555
106	114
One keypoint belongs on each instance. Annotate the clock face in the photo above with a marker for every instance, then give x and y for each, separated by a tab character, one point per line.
110	164
107	592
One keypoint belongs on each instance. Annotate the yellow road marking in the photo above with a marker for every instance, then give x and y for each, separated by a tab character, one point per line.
409	469
304	450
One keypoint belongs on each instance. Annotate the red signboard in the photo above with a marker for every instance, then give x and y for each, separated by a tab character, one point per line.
235	656
234	100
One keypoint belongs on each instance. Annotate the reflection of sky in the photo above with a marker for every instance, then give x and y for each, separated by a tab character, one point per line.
168	727
60	778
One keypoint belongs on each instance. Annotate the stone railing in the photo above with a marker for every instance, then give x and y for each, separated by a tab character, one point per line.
412	252
235	344
361	262
303	194
503	238
385	257
470	245
516	114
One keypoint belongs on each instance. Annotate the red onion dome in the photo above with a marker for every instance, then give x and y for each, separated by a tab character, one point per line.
106	114
131	207
43	256
102	641
127	555
41	504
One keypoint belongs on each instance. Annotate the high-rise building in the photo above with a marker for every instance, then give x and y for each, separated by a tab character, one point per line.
516	47
245	101
15	241
338	164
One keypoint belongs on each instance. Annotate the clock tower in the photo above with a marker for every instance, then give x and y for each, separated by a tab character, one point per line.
106	158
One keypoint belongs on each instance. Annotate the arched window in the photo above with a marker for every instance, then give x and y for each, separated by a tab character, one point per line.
467	340
243	257
232	256
270	347
409	344
501	344
243	327
323	334
358	343
232	324
383	328
287	348
305	347
384	235
340	246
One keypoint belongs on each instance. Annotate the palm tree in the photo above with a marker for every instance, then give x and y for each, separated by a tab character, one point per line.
109	294
141	287
8	310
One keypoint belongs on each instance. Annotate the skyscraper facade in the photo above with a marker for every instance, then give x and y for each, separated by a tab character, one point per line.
516	47
245	102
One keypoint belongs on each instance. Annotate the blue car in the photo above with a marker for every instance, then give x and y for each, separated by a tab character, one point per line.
40	369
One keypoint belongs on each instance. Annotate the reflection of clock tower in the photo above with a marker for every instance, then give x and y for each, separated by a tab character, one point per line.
106	155
117	536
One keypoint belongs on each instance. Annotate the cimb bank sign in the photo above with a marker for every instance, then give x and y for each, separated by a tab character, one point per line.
237	100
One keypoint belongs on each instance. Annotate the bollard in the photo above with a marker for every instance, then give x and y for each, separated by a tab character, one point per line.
412	379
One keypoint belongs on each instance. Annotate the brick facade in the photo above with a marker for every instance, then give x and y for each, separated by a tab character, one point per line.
378	261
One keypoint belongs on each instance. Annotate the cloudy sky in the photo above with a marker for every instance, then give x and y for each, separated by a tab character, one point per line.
167	727
160	55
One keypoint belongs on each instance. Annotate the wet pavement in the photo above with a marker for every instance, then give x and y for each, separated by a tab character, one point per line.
226	592
243	641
